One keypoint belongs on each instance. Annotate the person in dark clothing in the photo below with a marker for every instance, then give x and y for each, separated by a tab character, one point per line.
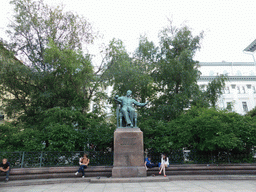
5	167
149	164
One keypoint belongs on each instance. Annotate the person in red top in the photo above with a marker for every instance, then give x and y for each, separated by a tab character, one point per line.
83	162
5	167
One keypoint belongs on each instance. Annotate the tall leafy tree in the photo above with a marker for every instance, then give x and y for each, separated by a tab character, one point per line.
145	58
126	72
176	71
165	75
55	71
35	24
53	83
210	96
215	88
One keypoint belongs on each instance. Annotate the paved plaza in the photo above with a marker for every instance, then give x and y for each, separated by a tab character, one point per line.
177	186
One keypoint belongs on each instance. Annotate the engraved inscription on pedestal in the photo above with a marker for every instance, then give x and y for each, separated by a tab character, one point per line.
127	141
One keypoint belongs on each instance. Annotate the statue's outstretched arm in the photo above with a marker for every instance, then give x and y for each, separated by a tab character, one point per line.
139	104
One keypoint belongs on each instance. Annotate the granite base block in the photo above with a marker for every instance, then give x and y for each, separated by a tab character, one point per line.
129	172
128	153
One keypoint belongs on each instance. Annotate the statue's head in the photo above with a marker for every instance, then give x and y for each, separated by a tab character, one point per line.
129	92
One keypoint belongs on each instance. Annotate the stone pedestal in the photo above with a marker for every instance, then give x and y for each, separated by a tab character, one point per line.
128	153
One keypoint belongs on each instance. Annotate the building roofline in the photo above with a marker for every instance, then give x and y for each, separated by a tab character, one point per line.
251	47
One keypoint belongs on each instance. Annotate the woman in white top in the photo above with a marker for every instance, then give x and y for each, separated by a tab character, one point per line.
164	163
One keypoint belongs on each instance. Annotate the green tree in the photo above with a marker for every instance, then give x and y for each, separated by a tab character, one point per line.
252	113
118	64
215	88
69	130
60	129
19	138
176	72
55	72
35	24
205	130
157	135
128	73
53	85
35	92
212	130
125	72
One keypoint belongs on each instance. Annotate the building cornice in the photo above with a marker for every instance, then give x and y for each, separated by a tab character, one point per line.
230	78
226	64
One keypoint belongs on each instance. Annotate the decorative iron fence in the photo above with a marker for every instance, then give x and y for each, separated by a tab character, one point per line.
60	159
195	157
221	157
55	159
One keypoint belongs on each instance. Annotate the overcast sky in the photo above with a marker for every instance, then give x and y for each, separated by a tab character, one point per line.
229	25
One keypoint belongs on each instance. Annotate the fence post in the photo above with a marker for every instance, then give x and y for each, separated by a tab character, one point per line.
41	159
22	159
228	157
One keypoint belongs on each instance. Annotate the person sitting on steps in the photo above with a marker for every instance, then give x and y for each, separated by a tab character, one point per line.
164	164
83	162
149	164
5	167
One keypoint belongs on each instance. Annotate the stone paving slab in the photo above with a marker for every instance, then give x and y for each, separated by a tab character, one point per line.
170	186
133	180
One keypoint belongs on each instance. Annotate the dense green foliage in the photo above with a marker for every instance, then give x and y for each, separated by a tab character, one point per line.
50	90
176	72
55	71
60	129
202	129
165	75
252	113
52	87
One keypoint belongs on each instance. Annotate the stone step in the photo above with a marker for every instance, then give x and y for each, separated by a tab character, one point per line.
43	170
204	172
12	183
106	171
56	175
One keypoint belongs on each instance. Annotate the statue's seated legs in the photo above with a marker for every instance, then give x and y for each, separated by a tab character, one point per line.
128	117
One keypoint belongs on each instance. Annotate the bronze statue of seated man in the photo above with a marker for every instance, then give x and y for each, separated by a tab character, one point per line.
127	108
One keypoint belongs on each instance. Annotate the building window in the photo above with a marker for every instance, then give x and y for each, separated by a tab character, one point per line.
229	106
248	86
243	89
245	108
227	90
233	86
253	88
238	90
